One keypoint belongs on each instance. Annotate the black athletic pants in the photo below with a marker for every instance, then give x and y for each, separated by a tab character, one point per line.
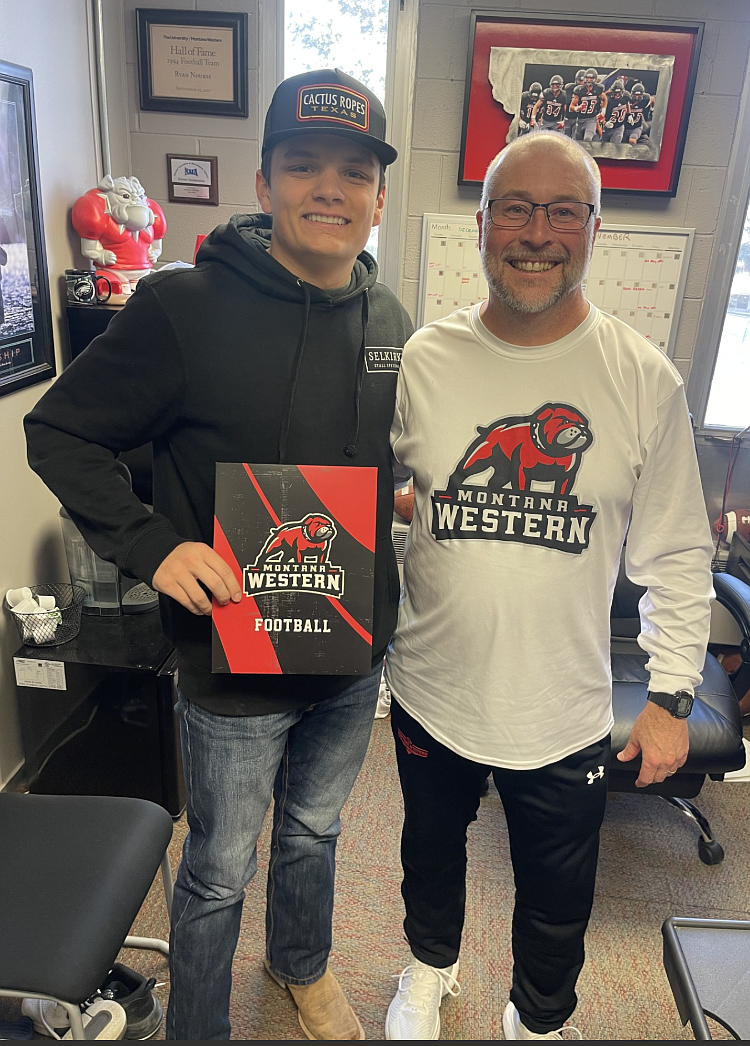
554	815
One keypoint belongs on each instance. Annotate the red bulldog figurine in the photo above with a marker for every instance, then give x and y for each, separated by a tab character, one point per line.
121	231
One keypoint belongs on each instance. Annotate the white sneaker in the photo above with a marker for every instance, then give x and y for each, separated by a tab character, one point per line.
414	1012
103	1019
49	1018
383	707
514	1029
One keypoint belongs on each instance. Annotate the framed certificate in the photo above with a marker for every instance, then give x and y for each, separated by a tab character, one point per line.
193	61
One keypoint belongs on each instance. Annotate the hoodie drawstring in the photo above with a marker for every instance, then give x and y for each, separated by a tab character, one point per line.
351	448
286	420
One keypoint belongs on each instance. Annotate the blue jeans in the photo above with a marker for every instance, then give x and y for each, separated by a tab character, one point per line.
308	759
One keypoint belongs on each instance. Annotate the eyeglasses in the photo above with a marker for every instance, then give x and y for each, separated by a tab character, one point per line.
564	215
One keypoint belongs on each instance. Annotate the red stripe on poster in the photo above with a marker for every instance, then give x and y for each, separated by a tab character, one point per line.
246	649
351	502
351	621
261	495
352	508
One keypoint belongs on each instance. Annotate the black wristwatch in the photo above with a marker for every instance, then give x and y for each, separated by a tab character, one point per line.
679	705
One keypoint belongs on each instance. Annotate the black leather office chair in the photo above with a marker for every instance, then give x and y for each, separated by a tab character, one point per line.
74	872
715	724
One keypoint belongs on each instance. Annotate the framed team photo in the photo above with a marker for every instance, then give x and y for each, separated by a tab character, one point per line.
27	353
621	87
615	110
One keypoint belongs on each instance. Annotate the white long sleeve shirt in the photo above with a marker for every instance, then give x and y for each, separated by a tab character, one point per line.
530	463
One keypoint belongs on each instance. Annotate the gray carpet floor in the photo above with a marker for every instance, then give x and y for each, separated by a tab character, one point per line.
649	869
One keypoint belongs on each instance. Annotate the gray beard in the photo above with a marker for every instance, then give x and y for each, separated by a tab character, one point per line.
492	266
516	304
571	279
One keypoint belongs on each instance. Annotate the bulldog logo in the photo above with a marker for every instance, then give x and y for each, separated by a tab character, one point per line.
545	446
533	461
295	556
305	541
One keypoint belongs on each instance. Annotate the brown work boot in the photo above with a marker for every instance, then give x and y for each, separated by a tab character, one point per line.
324	1012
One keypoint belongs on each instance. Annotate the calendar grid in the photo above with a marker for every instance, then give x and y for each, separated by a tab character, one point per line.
637	273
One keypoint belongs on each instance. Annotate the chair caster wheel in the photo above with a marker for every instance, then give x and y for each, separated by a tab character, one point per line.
710	853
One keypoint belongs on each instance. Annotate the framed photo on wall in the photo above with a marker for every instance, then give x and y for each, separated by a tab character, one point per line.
622	87
193	61
27	354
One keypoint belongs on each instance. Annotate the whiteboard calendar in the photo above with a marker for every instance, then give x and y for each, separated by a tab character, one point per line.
637	273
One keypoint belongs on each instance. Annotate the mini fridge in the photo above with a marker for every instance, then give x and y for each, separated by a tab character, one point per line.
97	714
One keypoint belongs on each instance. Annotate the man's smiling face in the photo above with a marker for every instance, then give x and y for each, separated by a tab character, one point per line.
325	198
532	268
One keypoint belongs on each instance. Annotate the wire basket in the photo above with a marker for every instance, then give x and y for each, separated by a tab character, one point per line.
52	627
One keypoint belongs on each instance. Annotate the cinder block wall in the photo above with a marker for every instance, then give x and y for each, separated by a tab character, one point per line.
443	43
142	139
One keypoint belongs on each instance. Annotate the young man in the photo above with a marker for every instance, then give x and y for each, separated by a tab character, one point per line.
615	114
571	117
588	103
641	110
259	354
538	430
528	101
549	110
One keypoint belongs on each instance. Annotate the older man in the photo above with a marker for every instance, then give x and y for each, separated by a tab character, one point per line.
538	430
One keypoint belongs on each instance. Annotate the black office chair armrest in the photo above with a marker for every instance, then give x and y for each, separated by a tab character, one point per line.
715	729
734	594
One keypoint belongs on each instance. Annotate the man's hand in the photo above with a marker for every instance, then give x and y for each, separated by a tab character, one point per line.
192	561
662	741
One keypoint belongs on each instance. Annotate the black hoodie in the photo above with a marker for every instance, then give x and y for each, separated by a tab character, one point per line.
233	360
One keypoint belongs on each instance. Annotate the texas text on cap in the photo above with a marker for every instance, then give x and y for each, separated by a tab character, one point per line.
327	101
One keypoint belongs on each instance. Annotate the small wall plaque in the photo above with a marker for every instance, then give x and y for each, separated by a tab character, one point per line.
193	179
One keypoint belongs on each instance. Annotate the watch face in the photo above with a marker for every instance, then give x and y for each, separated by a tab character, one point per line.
684	705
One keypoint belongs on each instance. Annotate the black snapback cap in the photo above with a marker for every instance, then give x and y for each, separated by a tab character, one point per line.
327	101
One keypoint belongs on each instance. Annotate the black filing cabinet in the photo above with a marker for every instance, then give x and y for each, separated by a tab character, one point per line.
97	714
85	322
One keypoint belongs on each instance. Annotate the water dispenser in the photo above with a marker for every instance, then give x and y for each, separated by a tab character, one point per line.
108	592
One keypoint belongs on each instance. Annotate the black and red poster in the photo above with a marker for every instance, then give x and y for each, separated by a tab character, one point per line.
301	542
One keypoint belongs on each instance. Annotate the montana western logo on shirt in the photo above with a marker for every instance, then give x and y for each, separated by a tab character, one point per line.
528	498
295	557
382	359
331	102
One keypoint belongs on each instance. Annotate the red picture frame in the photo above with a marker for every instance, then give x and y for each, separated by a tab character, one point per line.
486	123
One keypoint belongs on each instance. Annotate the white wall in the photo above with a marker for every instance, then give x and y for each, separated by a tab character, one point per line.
52	40
441	68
